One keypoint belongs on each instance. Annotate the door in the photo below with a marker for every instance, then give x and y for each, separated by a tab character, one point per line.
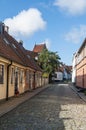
16	83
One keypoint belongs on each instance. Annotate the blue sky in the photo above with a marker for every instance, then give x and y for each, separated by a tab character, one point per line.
61	24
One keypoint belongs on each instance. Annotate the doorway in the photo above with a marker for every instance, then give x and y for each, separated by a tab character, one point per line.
16	83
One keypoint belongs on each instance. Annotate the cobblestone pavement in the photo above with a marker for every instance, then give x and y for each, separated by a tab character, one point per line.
56	108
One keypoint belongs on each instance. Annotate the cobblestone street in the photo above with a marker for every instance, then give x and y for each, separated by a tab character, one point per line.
55	108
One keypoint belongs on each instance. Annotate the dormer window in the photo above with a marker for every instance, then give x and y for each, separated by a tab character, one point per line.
13	45
28	56
6	41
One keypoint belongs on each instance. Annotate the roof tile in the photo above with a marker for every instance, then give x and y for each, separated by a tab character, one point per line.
12	50
39	48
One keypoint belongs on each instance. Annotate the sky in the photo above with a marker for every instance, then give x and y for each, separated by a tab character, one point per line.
61	24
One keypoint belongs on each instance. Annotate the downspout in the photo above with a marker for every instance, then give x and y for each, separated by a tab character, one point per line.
7	90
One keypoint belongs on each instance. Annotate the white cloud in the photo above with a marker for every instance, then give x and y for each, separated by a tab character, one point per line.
76	35
72	7
26	23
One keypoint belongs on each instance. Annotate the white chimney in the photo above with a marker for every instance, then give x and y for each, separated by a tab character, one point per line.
21	42
3	28
6	28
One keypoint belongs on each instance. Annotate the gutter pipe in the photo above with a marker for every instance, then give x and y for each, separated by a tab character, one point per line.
7	90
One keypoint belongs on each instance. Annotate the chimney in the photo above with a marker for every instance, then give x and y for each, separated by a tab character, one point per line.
6	28
3	28
21	42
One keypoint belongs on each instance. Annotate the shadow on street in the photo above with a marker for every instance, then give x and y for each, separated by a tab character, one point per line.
45	111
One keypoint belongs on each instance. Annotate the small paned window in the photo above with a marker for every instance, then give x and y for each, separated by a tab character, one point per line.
28	56
21	76
27	77
13	45
1	74
12	75
6	41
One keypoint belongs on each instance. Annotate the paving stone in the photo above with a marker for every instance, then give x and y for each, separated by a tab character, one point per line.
56	108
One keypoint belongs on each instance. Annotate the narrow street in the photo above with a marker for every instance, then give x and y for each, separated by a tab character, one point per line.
55	108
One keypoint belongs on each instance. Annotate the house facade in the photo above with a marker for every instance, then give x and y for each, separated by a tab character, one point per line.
67	73
63	72
18	71
74	68
58	76
81	66
11	78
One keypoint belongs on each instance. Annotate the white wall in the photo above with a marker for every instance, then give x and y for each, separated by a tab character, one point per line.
59	76
74	68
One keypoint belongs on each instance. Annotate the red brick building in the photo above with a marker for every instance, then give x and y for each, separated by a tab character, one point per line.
39	47
81	66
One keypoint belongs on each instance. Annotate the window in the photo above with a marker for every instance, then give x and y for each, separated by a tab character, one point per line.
27	76
21	76
12	75
13	45
6	41
28	56
1	74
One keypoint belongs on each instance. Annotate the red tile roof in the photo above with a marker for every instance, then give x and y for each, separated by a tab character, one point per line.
60	69
82	46
67	68
39	48
31	53
6	51
12	50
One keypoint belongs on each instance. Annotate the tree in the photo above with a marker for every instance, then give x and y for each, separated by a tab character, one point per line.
48	61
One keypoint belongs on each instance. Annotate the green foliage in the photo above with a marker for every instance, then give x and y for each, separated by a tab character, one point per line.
45	75
48	61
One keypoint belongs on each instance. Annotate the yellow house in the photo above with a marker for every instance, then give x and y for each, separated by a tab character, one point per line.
18	71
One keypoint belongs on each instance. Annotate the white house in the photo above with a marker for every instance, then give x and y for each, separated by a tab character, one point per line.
74	68
58	76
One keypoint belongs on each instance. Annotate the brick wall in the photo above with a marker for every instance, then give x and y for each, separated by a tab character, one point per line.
81	74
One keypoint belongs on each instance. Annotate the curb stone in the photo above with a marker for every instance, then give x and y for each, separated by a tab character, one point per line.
81	95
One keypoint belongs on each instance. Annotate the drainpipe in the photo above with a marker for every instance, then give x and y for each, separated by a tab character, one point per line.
8	80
